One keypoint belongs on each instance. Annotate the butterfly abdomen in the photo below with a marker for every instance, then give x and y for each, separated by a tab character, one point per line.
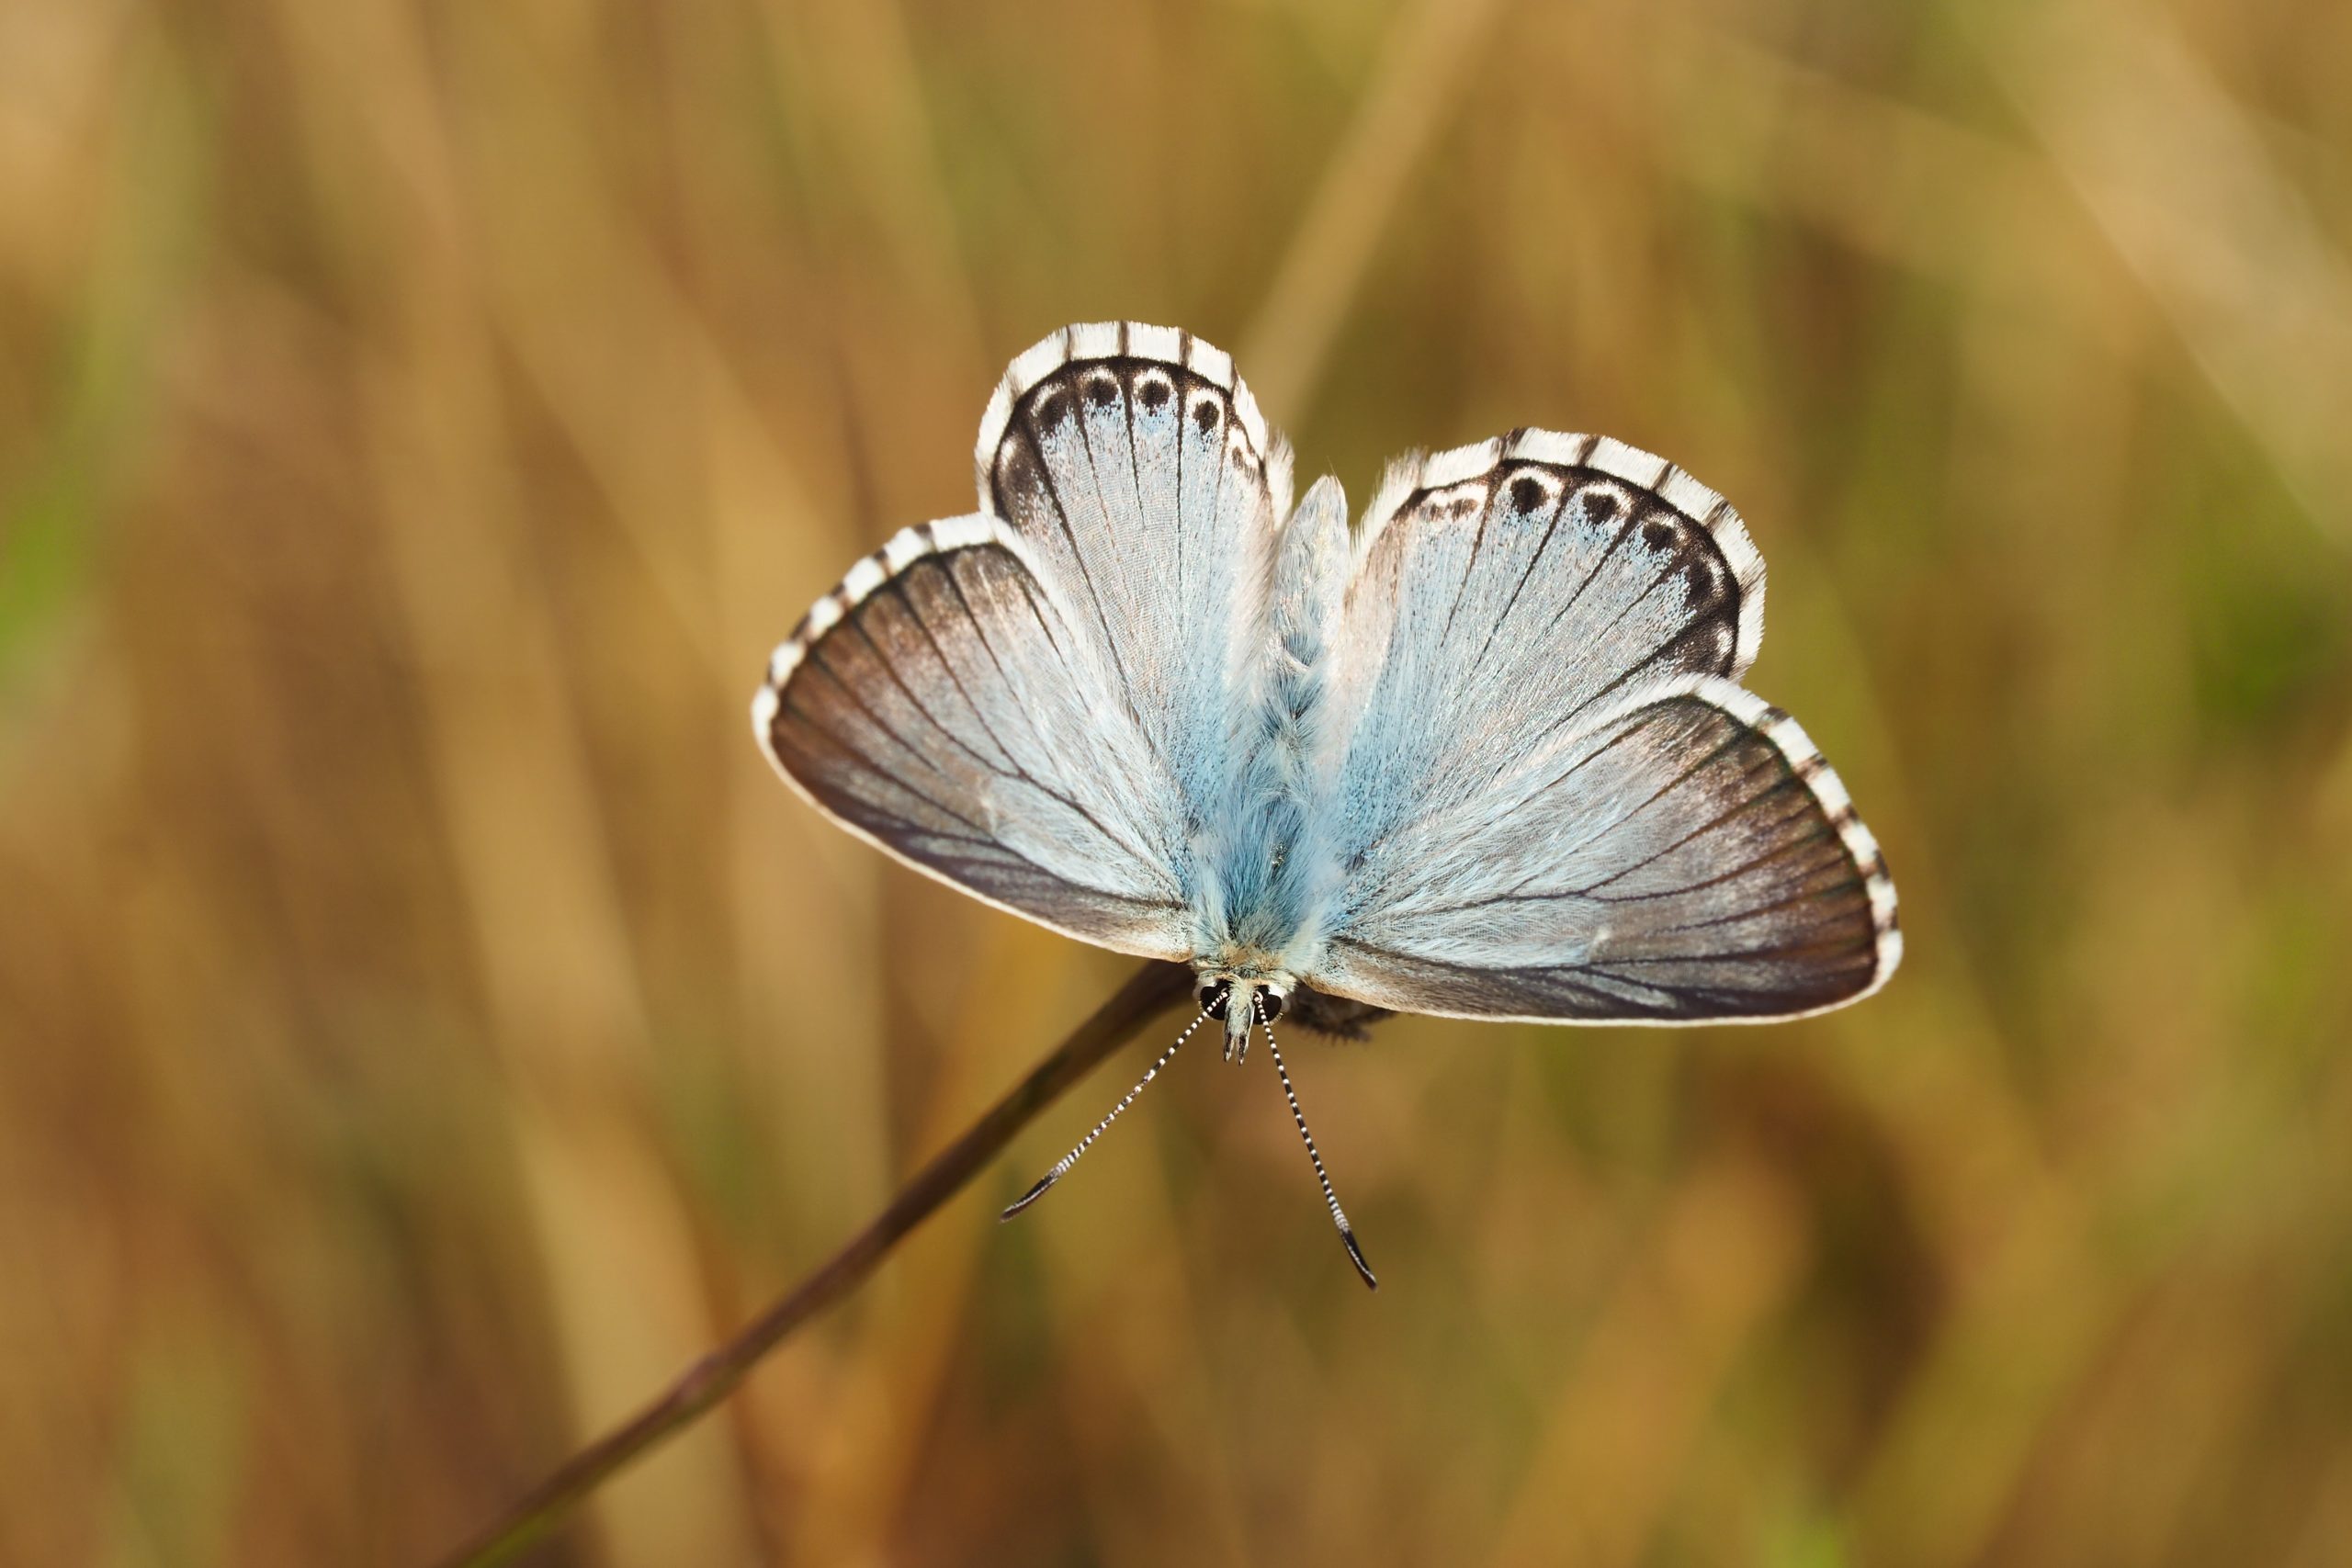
1266	867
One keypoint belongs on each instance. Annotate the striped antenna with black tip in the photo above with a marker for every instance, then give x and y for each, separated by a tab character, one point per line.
1338	1216
1061	1167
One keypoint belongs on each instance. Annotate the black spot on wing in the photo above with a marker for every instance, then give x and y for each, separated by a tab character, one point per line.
1049	406
1706	582
1018	469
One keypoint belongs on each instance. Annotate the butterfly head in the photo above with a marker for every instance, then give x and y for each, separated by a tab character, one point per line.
1241	1002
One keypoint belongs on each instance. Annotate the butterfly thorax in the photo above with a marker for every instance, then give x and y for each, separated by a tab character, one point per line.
1243	966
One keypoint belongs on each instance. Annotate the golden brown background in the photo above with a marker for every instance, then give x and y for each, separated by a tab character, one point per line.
425	1025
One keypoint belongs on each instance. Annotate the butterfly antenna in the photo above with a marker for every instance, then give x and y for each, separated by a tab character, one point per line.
1061	1167
1338	1216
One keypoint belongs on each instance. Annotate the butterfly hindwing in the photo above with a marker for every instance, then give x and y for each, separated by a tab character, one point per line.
948	704
1135	464
1506	591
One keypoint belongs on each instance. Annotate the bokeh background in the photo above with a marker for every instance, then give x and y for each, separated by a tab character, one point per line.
426	1026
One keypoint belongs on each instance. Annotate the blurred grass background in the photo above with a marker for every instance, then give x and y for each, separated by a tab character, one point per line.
425	1025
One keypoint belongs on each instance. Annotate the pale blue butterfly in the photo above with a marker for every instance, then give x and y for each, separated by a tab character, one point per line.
1488	758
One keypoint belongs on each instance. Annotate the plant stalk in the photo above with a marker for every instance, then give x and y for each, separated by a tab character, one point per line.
1149	992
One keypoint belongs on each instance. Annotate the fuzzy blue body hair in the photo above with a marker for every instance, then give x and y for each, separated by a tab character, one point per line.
1267	870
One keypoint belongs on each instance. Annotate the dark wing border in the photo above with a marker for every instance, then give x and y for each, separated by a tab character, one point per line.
1090	340
1413	477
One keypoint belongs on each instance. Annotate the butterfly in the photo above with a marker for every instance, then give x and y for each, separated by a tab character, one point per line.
1484	756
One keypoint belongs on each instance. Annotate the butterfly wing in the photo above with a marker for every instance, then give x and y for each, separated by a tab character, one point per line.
1549	798
1034	703
1135	464
948	703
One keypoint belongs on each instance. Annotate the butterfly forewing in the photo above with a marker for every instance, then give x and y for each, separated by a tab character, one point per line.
942	703
1685	857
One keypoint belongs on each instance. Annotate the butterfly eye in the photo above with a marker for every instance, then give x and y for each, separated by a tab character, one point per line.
1212	996
1272	1002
